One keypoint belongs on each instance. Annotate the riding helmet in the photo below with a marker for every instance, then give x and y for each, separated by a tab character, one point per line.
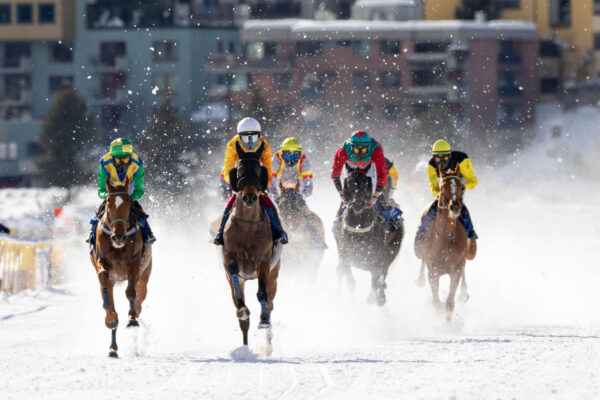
121	148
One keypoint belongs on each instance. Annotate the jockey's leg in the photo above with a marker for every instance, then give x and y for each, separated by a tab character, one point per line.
383	209
278	233
219	237
138	211
465	218
428	218
94	222
338	218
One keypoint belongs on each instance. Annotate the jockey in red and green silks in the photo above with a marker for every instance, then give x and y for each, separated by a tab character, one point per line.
117	165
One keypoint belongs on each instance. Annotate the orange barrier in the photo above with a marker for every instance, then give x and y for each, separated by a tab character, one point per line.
29	265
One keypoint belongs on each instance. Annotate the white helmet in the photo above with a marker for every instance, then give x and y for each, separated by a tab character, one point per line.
248	125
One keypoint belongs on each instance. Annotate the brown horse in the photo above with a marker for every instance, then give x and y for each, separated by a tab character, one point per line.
248	250
305	229
444	248
119	254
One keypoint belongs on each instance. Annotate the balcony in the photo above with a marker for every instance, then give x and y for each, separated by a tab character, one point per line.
426	58
118	98
437	93
20	65
219	63
22	99
119	64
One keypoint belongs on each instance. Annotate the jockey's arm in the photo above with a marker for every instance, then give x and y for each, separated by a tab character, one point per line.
267	161
466	170
230	159
382	172
138	184
393	172
276	164
336	170
434	185
306	179
102	183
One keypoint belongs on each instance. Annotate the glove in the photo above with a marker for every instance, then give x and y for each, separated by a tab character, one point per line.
374	198
341	192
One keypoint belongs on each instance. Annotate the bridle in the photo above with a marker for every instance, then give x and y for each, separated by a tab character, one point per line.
443	201
107	229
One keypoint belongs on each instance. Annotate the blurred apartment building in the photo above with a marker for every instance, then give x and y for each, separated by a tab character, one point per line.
323	76
568	37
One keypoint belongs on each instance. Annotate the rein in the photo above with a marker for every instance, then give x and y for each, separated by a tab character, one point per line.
353	229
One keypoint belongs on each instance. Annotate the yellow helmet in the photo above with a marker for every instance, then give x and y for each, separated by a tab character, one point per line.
291	144
441	147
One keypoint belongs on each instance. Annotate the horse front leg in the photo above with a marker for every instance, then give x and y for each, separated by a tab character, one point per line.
271	292
237	293
454	280
420	282
141	289
464	294
132	281
111	319
263	297
434	282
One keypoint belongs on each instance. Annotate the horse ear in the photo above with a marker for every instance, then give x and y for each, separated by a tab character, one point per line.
109	187
264	178
280	187
260	150
233	179
457	170
126	182
238	149
297	185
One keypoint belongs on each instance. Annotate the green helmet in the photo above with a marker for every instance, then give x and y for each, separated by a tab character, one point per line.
360	138
121	147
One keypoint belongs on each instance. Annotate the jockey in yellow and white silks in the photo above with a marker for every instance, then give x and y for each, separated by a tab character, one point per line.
291	166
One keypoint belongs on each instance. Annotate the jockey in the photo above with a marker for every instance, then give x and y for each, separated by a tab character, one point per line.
360	151
290	165
444	157
224	186
249	137
119	163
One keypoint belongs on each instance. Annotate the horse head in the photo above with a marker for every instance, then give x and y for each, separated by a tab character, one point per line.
118	208
451	191
251	178
358	190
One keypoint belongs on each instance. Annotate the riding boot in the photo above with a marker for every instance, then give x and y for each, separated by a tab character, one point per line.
465	217
427	220
94	222
146	231
278	233
219	237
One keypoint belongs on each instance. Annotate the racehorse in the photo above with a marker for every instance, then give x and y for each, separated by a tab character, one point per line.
362	239
120	254
248	250
444	248
305	228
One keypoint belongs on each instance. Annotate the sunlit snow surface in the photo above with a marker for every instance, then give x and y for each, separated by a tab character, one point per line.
531	329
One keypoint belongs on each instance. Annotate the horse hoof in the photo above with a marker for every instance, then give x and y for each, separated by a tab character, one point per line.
133	323
264	325
381	298
112	324
371	298
243	313
448	316
464	297
113	353
420	282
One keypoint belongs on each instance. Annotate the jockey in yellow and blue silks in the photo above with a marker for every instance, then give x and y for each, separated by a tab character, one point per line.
117	165
444	157
249	138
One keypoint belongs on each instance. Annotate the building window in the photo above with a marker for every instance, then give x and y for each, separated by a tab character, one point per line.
164	51
260	50
549	85
5	16
8	151
311	48
509	53
362	80
363	111
389	80
311	86
240	82
549	49
596	41
46	13
61	52
110	51
60	83
390	112
283	81
508	4
390	47
24	13
596	7
509	84
560	12
362	48
166	83
431	47
434	76
509	115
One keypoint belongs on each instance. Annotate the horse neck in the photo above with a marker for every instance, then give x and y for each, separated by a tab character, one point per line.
253	213
363	218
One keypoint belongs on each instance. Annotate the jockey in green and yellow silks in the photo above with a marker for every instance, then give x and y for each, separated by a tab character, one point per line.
119	164
445	158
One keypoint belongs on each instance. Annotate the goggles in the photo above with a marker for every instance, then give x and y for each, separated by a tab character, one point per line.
441	159
121	160
360	149
290	156
250	139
